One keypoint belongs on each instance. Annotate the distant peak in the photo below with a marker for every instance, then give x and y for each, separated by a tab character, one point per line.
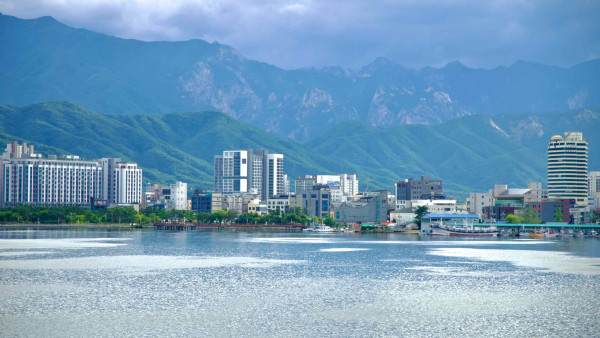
382	59
380	63
455	65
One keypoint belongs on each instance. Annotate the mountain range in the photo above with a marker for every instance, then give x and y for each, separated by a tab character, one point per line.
45	60
471	153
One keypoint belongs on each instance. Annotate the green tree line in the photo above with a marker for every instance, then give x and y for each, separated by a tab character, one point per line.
75	215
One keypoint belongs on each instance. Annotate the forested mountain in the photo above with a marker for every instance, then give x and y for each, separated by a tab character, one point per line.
470	154
44	60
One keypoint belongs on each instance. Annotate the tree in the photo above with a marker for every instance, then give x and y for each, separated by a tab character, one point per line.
558	216
330	222
419	213
529	216
510	218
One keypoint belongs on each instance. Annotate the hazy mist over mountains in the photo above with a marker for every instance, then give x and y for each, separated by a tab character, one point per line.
470	127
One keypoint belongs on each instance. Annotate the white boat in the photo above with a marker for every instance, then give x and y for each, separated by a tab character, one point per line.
324	228
469	230
321	229
550	234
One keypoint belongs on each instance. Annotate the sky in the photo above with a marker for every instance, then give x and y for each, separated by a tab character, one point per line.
349	33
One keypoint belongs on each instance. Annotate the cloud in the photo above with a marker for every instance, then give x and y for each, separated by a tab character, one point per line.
305	33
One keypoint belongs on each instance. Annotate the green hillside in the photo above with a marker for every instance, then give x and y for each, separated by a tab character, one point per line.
168	147
469	154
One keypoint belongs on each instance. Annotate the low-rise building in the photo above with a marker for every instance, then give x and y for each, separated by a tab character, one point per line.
207	201
315	201
281	202
546	210
372	207
255	206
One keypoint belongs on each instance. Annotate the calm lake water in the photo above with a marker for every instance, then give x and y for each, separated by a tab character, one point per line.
74	283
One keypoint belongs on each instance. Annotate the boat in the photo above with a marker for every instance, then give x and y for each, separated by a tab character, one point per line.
548	234
506	233
537	234
578	234
324	228
565	233
321	229
468	230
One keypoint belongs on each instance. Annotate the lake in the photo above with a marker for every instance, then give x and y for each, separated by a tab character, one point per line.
85	282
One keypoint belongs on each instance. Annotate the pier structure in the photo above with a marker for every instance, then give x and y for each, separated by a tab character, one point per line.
533	227
218	226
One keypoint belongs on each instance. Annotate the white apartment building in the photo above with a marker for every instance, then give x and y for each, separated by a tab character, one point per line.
249	172
175	196
27	178
568	167
349	184
275	179
50	182
123	182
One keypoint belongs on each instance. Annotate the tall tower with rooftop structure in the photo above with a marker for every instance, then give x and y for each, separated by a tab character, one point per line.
568	167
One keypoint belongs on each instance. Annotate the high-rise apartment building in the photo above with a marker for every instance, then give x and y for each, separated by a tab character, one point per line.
275	180
248	171
349	184
28	178
123	182
568	167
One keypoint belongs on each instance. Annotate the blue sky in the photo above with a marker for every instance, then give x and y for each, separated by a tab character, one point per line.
311	33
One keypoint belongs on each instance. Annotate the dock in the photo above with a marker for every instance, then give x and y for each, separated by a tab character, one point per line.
242	227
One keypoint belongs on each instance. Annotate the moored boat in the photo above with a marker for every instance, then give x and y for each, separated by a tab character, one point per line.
463	231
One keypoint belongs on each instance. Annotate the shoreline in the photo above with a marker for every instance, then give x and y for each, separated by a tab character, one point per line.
71	225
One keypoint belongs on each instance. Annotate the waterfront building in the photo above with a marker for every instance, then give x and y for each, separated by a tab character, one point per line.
50	182
122	182
170	197
403	216
28	178
175	196
546	210
257	207
422	189
316	201
568	167
249	171
280	202
206	201
372	207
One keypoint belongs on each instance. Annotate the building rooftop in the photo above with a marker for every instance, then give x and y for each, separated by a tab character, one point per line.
455	216
514	192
